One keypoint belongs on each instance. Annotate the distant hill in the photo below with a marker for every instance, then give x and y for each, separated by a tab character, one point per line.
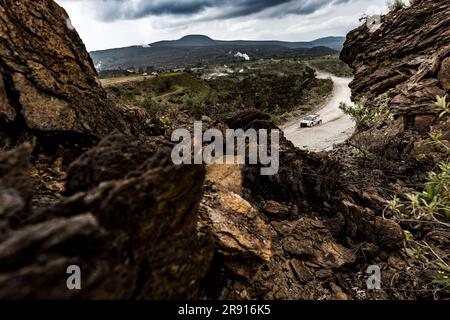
195	50
201	40
187	41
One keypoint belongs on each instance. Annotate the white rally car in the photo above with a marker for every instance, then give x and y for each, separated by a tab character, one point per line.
311	121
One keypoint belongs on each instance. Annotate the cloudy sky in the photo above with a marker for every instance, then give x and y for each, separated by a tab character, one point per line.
106	24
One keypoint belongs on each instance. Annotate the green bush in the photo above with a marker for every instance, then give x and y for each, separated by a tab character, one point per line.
367	118
332	65
434	201
442	106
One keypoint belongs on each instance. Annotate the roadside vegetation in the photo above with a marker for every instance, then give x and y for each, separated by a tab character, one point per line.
430	205
433	203
367	118
331	64
276	87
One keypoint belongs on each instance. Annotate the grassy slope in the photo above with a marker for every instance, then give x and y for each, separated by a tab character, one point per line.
330	64
275	87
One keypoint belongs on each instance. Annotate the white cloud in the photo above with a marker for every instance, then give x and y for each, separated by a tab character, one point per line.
333	20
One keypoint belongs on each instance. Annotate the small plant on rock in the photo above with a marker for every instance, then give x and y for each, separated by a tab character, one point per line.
367	118
442	106
396	5
434	201
443	277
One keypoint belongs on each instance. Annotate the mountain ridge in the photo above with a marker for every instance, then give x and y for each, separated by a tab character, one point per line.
193	40
333	42
192	50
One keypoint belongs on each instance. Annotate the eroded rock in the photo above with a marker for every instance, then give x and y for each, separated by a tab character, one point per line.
139	226
48	82
407	57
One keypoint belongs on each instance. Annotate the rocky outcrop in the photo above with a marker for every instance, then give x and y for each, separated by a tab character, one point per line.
133	236
140	227
291	235
129	216
147	231
407	55
404	54
48	84
113	158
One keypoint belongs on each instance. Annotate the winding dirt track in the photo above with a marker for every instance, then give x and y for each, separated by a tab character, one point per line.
106	82
336	128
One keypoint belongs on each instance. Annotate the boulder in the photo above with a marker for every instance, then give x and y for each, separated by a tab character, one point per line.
48	84
133	236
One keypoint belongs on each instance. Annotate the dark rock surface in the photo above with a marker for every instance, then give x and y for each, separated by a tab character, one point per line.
140	227
133	236
407	56
48	82
113	158
129	218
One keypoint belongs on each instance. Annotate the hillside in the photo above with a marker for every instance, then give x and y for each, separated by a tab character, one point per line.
181	55
275	87
335	43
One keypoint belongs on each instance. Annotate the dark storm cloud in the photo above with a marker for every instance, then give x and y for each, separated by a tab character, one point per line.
110	10
308	7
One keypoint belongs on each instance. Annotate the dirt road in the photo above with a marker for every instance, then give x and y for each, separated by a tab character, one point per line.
118	80
336	127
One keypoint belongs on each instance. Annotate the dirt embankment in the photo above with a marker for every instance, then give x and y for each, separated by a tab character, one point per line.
106	82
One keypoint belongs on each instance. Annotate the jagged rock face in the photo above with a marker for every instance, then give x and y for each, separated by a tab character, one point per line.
130	215
48	82
106	162
133	235
142	228
408	56
291	235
